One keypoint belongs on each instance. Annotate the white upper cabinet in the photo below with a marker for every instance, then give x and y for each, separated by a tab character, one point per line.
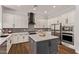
14	21
71	18
8	20
52	21
41	23
68	18
0	17
21	21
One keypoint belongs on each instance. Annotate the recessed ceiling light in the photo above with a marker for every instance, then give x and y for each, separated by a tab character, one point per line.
34	8
54	6
45	12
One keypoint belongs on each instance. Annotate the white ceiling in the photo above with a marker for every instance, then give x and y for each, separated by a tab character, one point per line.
39	12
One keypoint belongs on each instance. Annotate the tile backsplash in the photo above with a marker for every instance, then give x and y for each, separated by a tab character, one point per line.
13	30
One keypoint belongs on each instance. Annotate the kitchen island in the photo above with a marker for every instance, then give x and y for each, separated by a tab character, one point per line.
47	44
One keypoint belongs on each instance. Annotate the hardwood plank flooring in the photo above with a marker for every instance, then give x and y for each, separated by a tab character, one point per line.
23	48
65	50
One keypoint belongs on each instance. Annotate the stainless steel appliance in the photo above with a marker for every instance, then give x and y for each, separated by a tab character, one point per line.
67	34
67	28
68	38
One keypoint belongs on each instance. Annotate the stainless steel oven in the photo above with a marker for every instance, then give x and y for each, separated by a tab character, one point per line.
68	38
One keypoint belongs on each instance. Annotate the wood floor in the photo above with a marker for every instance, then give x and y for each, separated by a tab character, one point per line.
65	50
23	48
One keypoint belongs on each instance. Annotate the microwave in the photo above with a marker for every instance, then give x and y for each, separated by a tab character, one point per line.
67	28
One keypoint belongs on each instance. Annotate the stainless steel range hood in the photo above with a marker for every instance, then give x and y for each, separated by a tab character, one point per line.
31	18
31	22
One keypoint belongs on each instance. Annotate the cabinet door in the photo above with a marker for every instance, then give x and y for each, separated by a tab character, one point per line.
53	46
43	47
57	27
1	17
21	21
8	20
71	18
44	23
25	38
8	45
37	25
15	39
20	38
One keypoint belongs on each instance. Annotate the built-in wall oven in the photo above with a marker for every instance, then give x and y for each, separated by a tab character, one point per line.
68	38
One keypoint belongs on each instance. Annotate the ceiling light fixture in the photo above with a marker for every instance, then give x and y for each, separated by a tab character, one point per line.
34	7
45	12
54	6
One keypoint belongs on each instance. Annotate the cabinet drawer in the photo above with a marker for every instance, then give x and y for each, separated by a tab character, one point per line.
26	38
15	39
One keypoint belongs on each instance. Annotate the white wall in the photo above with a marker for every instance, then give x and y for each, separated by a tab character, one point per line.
76	30
0	18
62	19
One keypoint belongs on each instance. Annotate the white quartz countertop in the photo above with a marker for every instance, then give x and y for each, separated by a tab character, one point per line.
38	38
3	39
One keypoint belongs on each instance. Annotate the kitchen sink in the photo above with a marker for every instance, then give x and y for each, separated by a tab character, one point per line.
3	35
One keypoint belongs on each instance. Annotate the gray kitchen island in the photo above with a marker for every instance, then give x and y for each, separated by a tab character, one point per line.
47	44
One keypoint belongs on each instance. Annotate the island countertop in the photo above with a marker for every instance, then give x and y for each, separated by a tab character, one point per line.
38	38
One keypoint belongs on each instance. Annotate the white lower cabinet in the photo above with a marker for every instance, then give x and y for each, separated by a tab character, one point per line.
19	38
22	38
16	38
25	38
9	43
